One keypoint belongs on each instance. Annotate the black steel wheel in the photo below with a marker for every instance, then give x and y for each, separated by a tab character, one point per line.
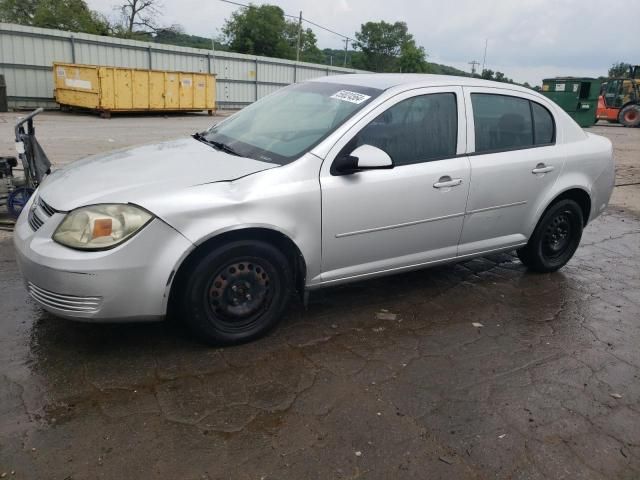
555	239
557	235
237	292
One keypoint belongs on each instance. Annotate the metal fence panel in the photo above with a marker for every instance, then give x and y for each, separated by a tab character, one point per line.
27	54
306	73
232	94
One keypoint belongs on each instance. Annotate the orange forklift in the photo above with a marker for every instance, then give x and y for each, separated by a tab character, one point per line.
619	100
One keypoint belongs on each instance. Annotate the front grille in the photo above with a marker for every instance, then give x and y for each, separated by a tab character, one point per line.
67	303
46	208
35	222
39	213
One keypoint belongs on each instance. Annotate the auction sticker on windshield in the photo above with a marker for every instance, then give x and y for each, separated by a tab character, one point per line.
353	97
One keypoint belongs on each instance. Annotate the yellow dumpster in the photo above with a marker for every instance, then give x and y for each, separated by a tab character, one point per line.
116	89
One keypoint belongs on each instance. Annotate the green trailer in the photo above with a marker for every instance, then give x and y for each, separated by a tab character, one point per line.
576	96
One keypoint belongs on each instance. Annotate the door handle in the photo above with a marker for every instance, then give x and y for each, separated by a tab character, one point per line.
446	181
542	168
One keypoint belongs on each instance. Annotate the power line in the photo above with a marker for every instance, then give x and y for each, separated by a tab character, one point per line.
247	6
327	29
296	17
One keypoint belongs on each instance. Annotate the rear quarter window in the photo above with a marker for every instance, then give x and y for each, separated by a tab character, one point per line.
543	125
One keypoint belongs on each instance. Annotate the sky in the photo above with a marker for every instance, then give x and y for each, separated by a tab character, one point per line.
527	40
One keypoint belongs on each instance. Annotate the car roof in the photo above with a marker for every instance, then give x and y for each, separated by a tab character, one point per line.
384	81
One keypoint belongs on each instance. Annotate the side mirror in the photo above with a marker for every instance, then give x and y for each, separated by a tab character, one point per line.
365	157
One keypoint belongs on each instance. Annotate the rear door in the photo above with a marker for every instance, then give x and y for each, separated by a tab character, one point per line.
514	162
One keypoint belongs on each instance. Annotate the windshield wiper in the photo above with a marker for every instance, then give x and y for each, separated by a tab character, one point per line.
224	147
219	145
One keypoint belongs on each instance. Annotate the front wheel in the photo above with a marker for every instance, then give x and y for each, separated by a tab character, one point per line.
237	292
555	239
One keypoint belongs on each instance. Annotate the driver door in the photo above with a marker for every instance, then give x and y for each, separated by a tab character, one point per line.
381	220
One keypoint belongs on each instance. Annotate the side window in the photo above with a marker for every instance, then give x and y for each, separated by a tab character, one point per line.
415	130
501	122
543	126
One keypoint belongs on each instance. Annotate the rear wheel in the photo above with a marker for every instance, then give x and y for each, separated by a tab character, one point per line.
629	116
237	292
555	239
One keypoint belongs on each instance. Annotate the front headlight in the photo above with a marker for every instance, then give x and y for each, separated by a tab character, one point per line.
99	227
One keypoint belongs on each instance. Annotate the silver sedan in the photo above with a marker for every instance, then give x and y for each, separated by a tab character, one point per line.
328	181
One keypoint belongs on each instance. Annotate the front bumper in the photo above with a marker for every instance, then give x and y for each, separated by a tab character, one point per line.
127	283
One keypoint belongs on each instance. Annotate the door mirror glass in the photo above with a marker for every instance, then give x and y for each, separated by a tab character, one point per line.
369	157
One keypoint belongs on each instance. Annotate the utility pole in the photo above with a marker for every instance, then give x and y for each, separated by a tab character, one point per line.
474	64
346	46
213	54
299	36
484	58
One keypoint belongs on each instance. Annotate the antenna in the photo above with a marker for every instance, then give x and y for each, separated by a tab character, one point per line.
484	58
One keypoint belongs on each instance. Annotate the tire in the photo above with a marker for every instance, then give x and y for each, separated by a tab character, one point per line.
555	239
629	116
237	292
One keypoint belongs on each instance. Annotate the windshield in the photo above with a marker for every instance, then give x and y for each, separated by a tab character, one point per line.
290	122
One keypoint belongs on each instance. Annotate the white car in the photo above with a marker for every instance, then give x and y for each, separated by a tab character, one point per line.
333	180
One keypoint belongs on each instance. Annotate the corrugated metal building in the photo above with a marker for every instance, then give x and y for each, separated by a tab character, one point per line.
27	55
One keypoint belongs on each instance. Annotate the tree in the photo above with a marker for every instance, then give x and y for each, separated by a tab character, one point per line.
70	15
18	11
263	30
381	44
413	59
335	56
619	69
258	31
487	74
140	16
446	70
175	35
309	51
496	76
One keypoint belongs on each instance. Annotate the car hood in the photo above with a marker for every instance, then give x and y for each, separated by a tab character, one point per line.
131	175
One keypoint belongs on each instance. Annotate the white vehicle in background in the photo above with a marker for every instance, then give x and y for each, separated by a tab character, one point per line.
328	181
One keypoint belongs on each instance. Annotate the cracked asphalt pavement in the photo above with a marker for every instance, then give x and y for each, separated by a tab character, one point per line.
468	371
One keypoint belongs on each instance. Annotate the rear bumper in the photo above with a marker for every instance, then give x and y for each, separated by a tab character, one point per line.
127	283
601	190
